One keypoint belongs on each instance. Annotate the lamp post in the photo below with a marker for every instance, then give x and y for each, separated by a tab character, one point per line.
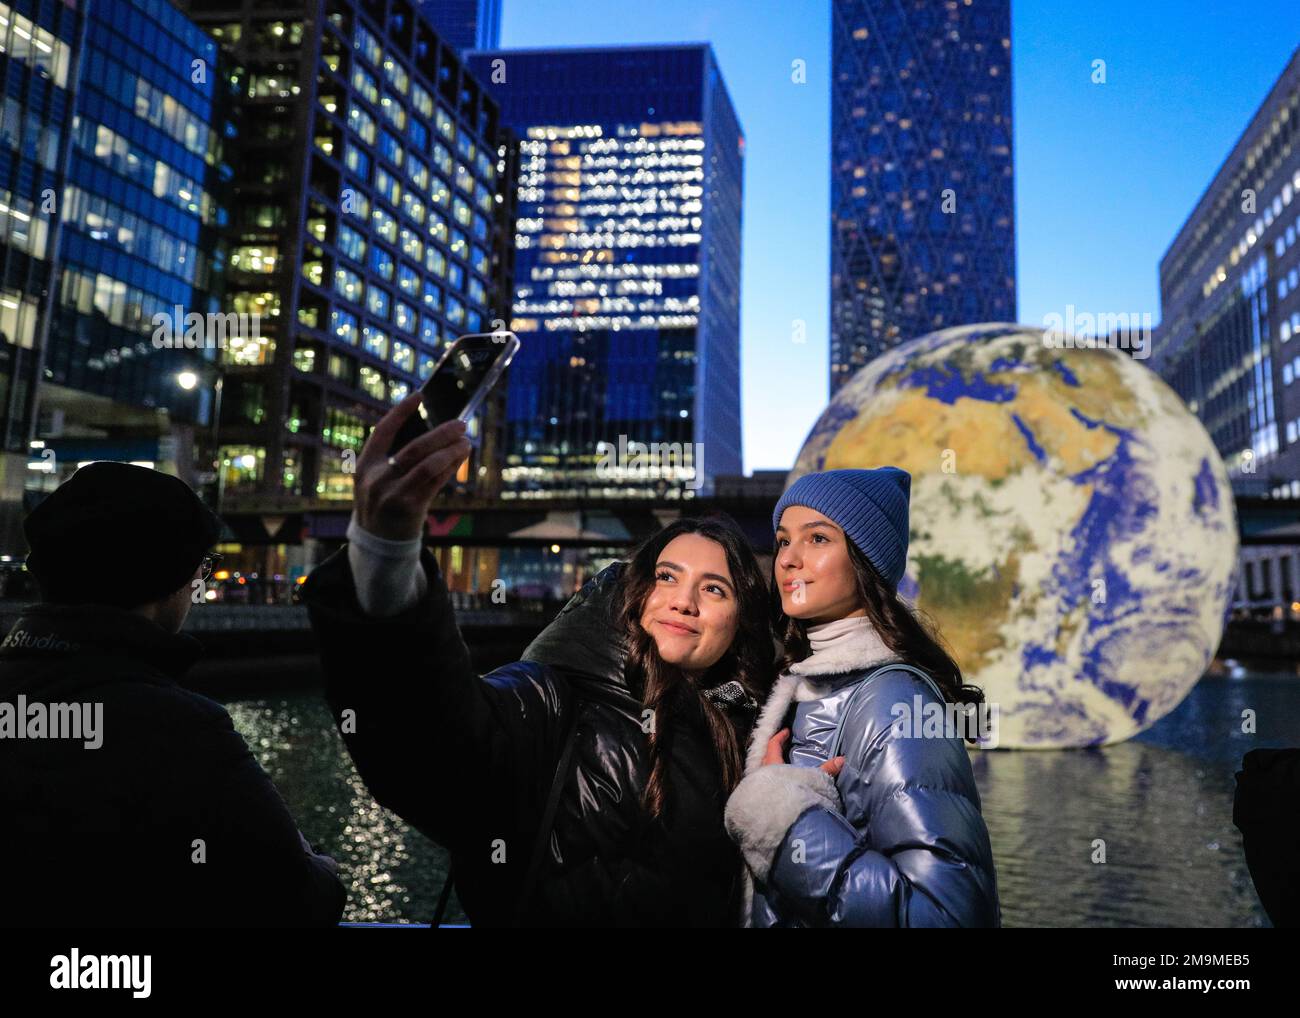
188	380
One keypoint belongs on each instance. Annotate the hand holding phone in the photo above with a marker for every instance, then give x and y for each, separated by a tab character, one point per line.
393	492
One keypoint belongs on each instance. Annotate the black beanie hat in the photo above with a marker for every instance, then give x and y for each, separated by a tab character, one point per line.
119	535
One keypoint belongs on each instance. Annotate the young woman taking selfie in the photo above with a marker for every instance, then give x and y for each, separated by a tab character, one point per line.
844	818
584	784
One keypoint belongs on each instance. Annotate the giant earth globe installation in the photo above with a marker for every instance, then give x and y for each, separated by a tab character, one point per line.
1073	531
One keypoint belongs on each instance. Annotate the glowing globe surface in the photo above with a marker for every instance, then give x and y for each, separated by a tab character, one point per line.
1072	527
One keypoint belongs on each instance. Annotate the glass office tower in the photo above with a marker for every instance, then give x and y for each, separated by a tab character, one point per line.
1229	336
37	89
627	294
465	24
922	198
143	203
372	228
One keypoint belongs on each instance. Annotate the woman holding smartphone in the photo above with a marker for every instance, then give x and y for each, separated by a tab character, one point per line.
585	783
845	817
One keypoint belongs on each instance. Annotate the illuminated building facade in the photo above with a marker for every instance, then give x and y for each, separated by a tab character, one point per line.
37	90
143	205
922	191
372	229
1229	336
109	160
627	271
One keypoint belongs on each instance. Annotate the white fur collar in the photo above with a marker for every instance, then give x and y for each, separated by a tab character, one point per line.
856	648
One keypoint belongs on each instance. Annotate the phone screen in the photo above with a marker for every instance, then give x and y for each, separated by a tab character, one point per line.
460	383
457	379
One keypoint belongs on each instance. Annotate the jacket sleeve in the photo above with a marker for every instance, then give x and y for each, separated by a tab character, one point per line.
921	859
246	863
463	758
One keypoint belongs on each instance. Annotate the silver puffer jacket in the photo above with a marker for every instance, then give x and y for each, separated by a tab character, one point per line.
897	839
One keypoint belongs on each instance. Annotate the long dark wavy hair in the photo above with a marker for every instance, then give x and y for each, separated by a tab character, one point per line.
667	690
911	633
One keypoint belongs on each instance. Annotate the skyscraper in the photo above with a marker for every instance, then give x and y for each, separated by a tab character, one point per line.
1230	301
465	24
627	293
145	199
369	233
36	110
922	198
111	217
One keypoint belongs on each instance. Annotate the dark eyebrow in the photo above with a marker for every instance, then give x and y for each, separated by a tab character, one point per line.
707	576
814	523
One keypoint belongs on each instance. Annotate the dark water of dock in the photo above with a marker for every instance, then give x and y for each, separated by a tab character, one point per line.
1162	804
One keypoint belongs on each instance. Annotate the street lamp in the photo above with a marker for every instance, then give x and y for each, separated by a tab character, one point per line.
189	380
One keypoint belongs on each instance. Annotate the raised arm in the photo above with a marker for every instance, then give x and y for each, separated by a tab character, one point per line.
458	755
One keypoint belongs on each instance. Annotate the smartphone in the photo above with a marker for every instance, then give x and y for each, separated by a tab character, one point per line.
460	382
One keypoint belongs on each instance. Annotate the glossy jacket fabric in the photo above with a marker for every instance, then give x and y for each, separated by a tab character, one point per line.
468	760
897	839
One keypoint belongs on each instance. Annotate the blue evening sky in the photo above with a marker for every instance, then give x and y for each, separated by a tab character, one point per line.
1105	174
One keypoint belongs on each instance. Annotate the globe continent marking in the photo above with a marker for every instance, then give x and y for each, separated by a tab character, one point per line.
1072	526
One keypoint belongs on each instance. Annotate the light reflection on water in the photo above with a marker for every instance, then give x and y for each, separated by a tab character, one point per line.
1161	803
393	873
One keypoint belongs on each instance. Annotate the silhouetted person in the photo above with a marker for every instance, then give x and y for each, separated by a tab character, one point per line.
1266	809
126	800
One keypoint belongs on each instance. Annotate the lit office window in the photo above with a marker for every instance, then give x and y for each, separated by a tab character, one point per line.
344	326
446	125
364	42
372	382
358	162
362	123
385	226
432	295
397	76
365	85
381	262
393	112
348	284
404	316
411	244
421	101
375	342
254	258
352	244
378	303
408	280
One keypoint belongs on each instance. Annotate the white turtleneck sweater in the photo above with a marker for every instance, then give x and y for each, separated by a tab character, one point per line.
841	646
833	637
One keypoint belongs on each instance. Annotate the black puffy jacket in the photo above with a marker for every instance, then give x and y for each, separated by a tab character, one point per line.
469	761
109	836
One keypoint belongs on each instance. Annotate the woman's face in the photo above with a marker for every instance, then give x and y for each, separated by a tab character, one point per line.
692	611
813	568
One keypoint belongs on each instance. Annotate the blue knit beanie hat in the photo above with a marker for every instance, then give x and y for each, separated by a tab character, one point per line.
870	505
